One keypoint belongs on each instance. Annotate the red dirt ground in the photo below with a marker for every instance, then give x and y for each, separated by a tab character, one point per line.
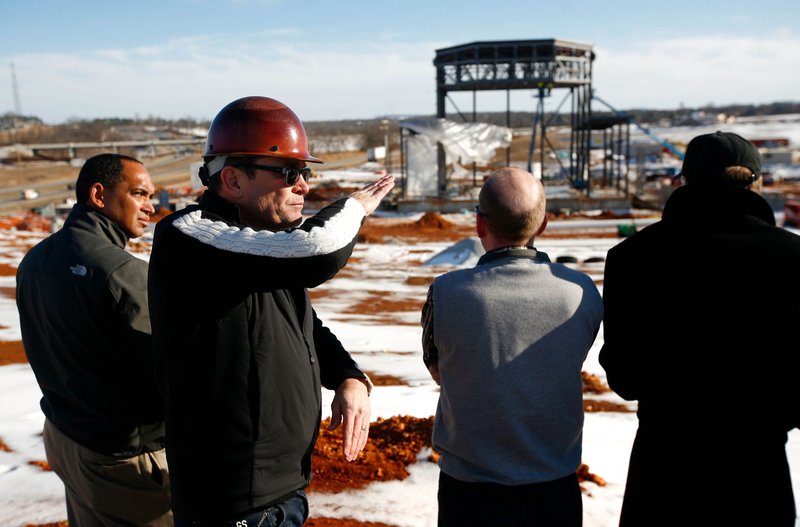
44	465
393	445
593	384
9	292
7	270
12	352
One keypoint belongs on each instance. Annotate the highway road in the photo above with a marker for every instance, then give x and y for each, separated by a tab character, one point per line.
165	171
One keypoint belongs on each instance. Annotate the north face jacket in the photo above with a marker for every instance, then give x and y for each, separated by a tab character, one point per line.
82	303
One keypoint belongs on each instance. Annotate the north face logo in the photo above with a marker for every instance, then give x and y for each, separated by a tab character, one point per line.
78	270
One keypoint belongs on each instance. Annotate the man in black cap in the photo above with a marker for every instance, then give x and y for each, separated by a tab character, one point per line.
701	311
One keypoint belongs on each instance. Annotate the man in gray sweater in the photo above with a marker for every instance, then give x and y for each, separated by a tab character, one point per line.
506	341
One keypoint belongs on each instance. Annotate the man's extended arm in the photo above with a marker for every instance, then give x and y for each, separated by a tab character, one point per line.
302	257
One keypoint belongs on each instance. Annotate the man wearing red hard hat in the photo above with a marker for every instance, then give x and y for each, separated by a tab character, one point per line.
242	352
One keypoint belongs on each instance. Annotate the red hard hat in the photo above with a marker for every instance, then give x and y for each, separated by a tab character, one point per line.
258	126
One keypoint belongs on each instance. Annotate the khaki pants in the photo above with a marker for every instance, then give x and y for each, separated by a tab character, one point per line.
106	491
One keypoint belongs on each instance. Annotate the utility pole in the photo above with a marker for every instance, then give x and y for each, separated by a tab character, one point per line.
17	106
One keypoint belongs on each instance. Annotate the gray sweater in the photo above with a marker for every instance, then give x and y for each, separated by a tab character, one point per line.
511	335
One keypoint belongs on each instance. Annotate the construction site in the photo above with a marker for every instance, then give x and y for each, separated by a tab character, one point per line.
605	175
590	156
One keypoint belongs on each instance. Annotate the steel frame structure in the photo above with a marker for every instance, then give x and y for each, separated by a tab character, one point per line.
541	65
616	152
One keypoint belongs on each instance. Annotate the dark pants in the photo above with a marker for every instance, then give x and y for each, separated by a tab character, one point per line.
291	513
552	503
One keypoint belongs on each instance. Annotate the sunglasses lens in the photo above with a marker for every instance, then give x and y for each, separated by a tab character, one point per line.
293	175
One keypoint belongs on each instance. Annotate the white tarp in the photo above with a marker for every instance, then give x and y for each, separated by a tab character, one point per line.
421	171
464	143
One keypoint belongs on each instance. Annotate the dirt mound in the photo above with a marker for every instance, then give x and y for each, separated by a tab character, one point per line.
393	445
432	226
434	220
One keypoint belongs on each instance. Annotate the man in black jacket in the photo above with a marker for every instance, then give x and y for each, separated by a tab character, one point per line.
86	330
242	351
700	326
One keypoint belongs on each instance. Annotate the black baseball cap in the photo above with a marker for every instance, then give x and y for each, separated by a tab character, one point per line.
707	156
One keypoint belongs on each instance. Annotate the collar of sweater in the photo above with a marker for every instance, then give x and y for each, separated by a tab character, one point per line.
513	252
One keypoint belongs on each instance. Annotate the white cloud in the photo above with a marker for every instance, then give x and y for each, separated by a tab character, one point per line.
331	79
695	71
197	76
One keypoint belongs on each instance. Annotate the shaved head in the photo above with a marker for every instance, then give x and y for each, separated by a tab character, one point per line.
513	205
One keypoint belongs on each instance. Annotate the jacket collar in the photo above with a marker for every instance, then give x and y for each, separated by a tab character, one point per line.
703	202
214	203
513	252
88	219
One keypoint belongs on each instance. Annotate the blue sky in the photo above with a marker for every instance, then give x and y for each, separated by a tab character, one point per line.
361	59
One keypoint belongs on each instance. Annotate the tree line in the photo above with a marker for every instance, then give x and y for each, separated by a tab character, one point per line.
31	129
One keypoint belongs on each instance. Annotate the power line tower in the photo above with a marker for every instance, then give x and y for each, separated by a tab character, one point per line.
17	106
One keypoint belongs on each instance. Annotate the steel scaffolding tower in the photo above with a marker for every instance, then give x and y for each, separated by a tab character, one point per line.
540	65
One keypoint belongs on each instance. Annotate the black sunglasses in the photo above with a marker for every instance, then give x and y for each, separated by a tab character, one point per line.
290	175
479	212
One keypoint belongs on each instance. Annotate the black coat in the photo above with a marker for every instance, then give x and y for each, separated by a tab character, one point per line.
700	326
82	303
242	352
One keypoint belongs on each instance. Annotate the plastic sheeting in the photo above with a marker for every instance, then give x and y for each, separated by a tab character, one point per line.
421	167
463	143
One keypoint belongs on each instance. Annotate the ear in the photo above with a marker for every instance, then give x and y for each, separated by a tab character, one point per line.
97	197
480	226
543	227
230	183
